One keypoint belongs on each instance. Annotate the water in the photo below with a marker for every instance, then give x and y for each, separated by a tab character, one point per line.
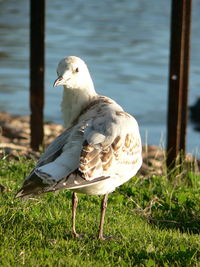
125	44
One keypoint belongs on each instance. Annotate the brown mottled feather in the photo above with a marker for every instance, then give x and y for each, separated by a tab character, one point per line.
92	159
117	143
106	154
123	113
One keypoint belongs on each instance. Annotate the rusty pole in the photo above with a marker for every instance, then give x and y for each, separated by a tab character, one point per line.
37	25
178	79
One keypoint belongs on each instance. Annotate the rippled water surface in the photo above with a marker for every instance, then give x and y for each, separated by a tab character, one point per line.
124	43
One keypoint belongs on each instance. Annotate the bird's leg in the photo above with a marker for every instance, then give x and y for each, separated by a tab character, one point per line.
74	206
103	211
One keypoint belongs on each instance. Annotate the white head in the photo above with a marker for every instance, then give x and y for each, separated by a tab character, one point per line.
73	74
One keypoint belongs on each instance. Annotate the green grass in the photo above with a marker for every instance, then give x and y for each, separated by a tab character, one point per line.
155	223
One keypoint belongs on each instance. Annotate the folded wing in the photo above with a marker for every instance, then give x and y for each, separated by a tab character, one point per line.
104	142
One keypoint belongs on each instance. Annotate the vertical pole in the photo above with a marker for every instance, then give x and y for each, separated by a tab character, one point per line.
188	15
178	79
37	25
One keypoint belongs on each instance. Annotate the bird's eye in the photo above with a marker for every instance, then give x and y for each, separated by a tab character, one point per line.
76	70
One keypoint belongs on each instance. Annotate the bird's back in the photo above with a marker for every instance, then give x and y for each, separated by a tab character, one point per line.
101	151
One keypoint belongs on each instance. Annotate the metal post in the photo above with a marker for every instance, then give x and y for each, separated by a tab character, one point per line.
188	15
37	25
178	79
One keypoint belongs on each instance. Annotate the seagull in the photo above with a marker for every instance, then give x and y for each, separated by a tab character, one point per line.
99	150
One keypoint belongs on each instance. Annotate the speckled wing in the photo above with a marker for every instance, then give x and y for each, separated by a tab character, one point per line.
103	143
119	152
111	148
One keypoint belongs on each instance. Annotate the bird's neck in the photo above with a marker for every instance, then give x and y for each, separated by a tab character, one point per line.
75	100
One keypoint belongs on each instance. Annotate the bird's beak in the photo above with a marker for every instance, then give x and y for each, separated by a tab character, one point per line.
59	81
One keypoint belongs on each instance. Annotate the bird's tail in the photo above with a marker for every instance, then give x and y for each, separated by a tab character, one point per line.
32	186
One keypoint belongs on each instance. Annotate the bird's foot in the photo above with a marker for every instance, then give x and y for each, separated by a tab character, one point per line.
76	235
100	237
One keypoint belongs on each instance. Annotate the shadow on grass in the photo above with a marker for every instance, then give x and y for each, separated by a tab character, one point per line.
166	204
181	223
142	256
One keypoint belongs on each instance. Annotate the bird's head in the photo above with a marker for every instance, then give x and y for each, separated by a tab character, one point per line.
73	74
